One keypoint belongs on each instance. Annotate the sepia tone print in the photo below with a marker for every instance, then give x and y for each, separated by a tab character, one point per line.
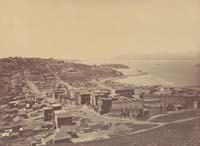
99	73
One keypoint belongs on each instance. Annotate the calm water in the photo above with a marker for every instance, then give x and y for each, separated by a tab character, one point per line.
173	72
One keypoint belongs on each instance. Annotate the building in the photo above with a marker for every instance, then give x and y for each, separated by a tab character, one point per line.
81	96
152	104
56	107
48	113
62	118
179	101
127	92
96	95
26	131
172	102
139	91
104	105
33	143
127	107
59	94
15	126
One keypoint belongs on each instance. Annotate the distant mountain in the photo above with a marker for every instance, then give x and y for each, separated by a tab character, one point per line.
158	56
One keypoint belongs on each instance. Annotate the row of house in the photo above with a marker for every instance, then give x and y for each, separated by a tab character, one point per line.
152	101
119	103
127	107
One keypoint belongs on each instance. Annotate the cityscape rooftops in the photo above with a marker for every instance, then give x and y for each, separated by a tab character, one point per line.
56	105
61	135
62	114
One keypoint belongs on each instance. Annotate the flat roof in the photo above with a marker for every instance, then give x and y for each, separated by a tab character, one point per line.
62	114
47	108
62	135
56	104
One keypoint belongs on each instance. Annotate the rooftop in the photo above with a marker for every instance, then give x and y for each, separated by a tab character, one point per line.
47	108
62	135
62	114
56	104
123	99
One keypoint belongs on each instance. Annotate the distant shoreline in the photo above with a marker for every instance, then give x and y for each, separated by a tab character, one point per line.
116	79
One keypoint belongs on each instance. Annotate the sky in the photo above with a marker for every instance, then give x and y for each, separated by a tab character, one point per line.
79	29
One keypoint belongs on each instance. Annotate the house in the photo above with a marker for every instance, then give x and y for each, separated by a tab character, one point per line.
26	131
127	92
72	101
127	107
33	143
139	91
15	126
178	101
153	104
191	101
62	118
96	95
59	94
104	105
172	102
82	97
48	113
56	107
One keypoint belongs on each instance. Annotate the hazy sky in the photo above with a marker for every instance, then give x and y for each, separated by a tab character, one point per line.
97	28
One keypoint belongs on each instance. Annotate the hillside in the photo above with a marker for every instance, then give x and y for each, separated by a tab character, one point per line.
14	72
115	66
